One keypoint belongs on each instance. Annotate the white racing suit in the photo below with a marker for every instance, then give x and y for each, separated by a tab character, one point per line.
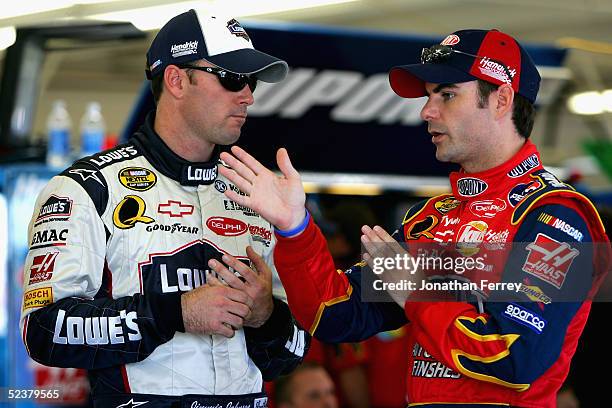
114	241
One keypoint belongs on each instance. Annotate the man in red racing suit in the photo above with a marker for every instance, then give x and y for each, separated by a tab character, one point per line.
497	347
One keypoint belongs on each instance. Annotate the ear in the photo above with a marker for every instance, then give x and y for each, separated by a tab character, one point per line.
175	80
504	98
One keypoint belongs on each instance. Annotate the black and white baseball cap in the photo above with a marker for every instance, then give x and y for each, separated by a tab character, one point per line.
219	40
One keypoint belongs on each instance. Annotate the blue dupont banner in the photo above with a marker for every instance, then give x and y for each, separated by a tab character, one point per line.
336	112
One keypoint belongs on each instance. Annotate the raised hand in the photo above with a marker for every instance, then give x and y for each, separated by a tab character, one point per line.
257	284
279	199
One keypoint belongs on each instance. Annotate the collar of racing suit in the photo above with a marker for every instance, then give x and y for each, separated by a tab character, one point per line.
495	181
169	163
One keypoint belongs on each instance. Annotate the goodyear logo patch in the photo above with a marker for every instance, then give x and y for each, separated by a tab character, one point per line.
36	298
137	178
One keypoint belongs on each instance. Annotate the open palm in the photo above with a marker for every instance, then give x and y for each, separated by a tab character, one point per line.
278	198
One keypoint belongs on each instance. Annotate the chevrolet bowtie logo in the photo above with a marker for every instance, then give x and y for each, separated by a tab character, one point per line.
175	209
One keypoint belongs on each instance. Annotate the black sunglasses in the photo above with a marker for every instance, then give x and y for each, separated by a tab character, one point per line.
230	81
439	53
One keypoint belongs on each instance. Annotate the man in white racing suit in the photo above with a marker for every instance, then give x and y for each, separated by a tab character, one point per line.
117	278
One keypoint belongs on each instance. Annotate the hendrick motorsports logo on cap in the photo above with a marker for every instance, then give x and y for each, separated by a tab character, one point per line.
235	28
188	48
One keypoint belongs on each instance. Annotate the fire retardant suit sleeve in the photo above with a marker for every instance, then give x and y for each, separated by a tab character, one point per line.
69	317
519	337
326	301
279	345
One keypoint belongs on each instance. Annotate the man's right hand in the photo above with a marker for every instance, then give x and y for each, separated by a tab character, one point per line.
215	310
278	199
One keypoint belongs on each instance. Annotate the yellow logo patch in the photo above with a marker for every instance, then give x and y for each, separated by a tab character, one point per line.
137	178
39	297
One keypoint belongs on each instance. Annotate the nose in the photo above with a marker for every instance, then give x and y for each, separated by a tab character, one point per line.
429	111
246	96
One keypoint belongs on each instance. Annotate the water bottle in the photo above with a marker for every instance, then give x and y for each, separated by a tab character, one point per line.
93	130
58	133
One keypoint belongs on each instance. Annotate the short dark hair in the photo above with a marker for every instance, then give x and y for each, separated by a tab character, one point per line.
157	83
523	111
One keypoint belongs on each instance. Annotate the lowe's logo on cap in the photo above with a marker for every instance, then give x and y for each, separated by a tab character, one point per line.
525	317
188	48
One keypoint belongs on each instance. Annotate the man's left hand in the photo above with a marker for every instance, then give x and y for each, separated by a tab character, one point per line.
378	244
256	283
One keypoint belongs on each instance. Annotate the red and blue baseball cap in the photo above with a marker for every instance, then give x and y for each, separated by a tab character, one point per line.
219	40
468	55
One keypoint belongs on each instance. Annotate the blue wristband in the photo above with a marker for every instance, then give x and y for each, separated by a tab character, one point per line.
300	228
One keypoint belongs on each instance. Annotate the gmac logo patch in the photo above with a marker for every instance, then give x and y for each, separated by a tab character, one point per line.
129	212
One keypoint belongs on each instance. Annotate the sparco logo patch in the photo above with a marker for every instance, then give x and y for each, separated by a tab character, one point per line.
129	212
227	227
55	207
549	260
187	48
137	178
470	186
42	267
525	317
36	298
523	167
488	208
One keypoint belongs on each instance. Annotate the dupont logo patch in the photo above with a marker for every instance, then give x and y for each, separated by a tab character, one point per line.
137	178
36	298
549	260
470	186
42	267
525	317
227	227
